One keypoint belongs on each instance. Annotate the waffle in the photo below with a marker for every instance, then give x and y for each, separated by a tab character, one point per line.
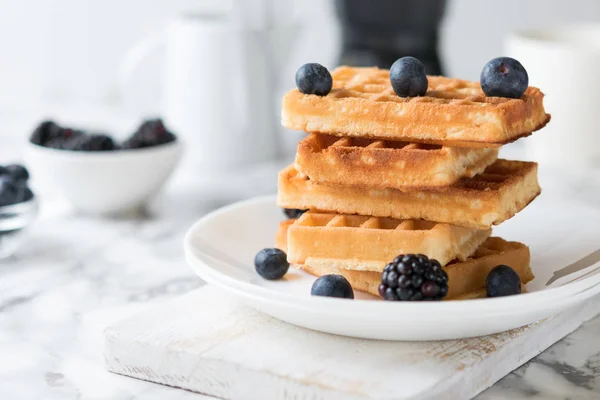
492	197
453	112
372	242
387	164
466	279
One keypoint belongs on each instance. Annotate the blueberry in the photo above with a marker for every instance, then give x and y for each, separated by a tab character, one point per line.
332	286
293	213
504	77
17	172
313	78
23	194
8	191
408	77
502	281
271	263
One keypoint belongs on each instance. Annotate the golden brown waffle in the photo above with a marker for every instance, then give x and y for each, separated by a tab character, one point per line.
465	279
453	112
504	189
387	164
372	241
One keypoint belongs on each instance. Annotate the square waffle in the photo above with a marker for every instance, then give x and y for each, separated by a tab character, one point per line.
465	279
372	242
388	164
502	190
453	112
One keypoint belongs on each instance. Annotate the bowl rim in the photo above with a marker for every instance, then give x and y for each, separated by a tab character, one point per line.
175	145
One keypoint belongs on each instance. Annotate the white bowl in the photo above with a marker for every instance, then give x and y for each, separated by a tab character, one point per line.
108	182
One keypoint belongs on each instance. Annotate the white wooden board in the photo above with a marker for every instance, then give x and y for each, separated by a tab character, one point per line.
207	342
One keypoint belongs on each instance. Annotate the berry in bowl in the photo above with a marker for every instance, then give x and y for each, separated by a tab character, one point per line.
18	207
99	175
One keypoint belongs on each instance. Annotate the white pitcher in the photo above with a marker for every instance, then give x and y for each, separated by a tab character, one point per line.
218	85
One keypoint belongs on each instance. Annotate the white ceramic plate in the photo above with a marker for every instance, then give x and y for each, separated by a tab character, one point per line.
557	235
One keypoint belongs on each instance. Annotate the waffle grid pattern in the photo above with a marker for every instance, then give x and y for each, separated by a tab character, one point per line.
373	239
327	141
358	221
374	85
504	189
388	164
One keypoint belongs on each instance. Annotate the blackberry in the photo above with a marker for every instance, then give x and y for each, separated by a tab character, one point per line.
45	132
151	132
93	142
413	277
293	213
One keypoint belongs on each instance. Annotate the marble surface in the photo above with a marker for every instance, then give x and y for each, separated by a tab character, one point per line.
77	274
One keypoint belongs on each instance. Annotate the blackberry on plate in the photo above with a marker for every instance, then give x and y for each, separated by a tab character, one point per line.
151	132
332	285
502	281
271	263
293	213
413	277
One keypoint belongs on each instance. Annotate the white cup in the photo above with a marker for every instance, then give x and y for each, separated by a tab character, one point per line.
217	89
564	63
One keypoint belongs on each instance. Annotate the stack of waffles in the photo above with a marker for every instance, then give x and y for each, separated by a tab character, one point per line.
383	175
